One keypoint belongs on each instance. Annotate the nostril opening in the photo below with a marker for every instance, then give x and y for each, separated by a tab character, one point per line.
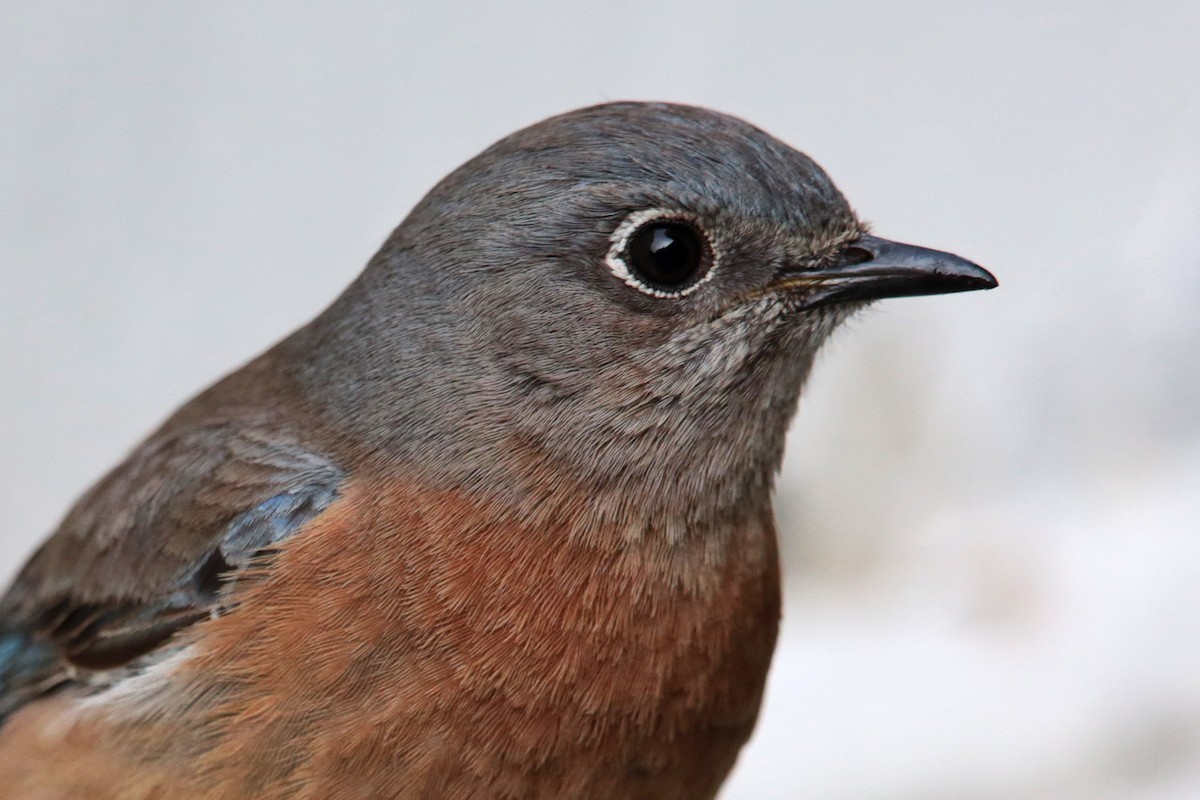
857	255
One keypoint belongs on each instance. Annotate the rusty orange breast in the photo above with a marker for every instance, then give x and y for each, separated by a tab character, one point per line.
417	644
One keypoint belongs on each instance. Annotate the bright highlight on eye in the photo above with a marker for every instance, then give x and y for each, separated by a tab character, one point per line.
661	253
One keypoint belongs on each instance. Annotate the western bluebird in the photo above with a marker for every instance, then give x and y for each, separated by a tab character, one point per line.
495	524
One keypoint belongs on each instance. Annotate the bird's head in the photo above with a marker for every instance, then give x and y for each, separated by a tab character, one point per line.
628	295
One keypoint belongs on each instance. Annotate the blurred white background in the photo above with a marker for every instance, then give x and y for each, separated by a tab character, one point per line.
991	503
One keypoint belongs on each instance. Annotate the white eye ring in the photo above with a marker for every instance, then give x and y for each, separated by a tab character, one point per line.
619	243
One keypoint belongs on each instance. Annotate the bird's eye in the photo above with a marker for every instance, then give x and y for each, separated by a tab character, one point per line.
666	254
661	255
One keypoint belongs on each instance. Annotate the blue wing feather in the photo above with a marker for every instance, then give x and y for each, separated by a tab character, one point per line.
46	639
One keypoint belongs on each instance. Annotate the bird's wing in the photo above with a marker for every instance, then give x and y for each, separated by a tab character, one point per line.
148	550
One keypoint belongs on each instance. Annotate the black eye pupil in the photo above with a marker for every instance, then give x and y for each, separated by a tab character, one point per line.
666	254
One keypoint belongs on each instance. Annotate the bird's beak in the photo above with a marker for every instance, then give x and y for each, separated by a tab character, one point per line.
871	268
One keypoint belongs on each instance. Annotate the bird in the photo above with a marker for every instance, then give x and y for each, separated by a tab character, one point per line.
495	524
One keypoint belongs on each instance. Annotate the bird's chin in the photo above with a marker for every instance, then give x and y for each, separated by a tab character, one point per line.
800	308
805	302
781	317
808	324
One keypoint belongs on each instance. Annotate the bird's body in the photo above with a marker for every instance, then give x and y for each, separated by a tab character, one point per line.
496	524
438	670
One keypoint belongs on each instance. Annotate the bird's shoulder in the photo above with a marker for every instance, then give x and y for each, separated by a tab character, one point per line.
154	547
